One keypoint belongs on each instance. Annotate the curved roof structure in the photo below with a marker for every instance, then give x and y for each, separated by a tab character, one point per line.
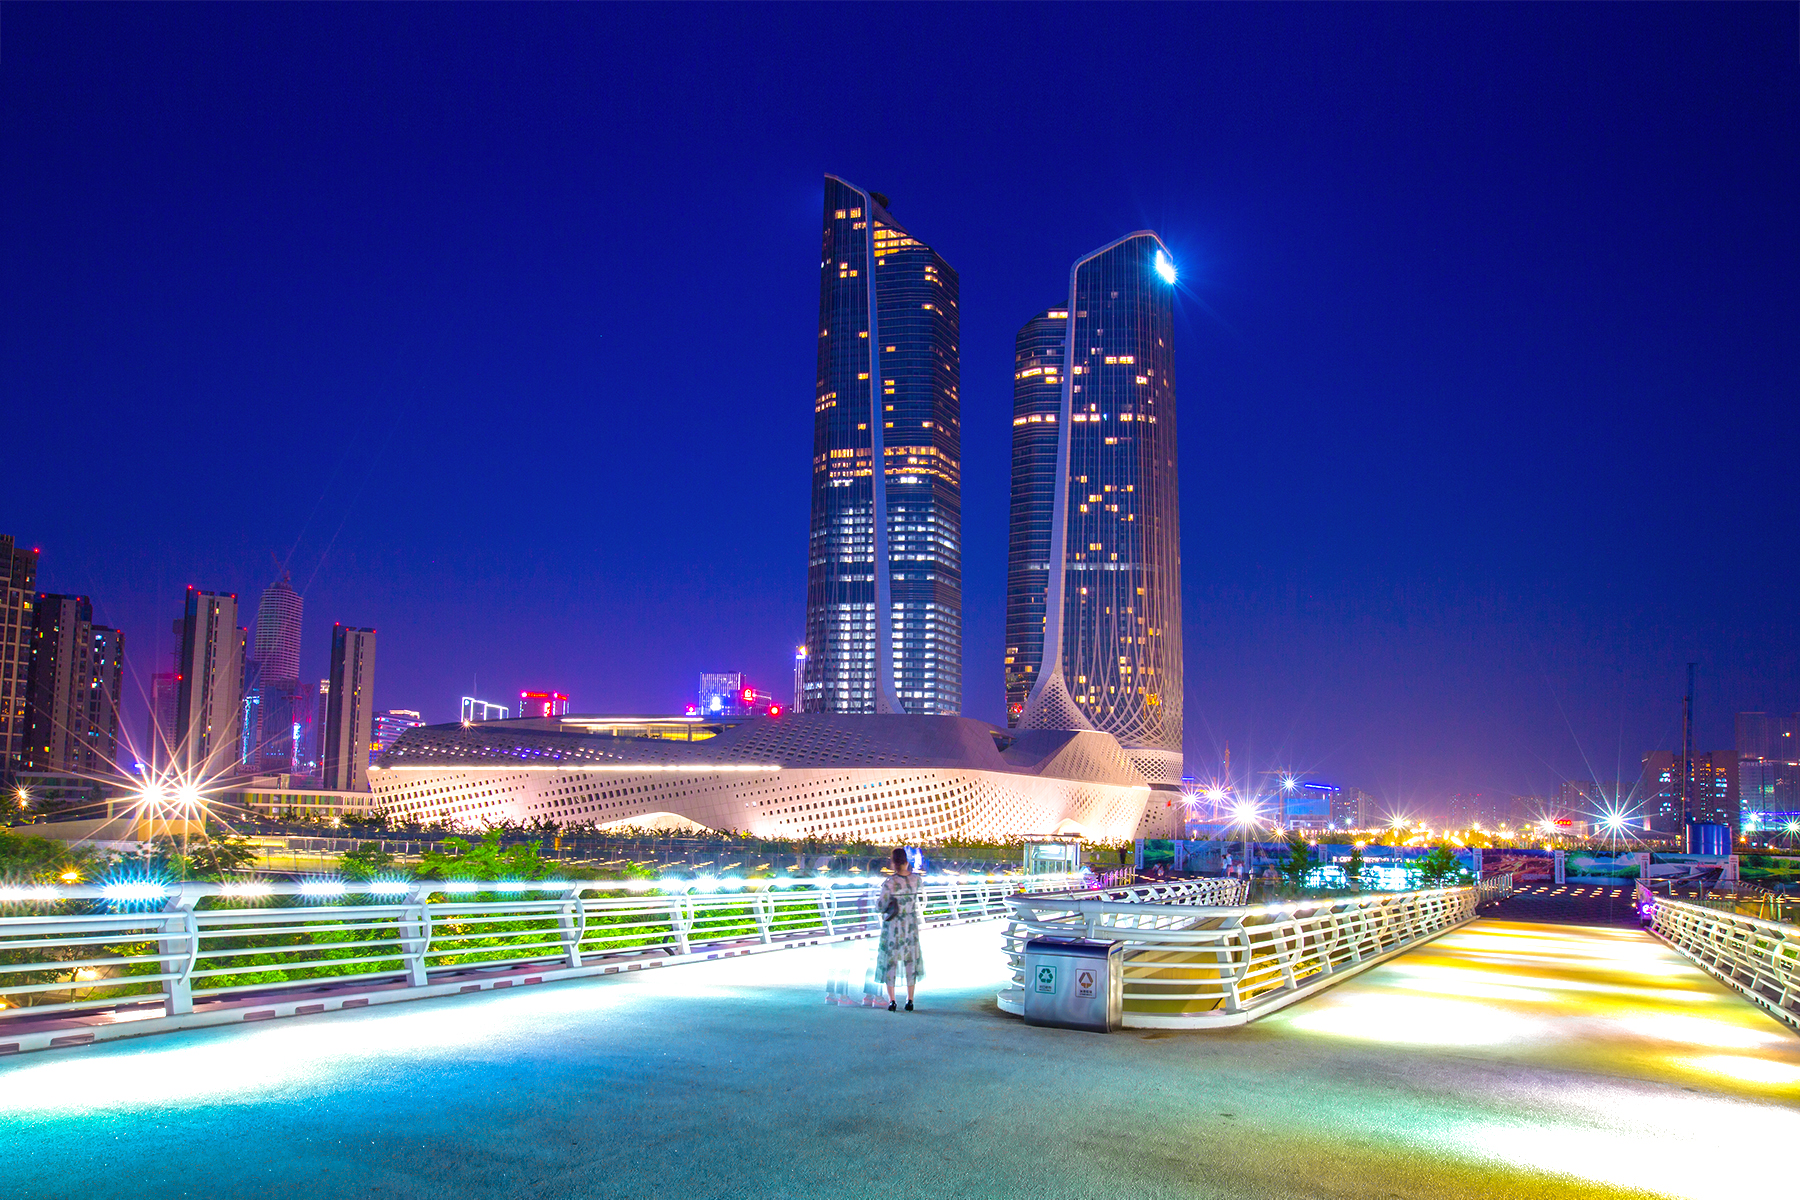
877	776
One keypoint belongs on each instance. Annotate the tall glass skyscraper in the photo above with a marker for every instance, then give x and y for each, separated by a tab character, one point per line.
1111	650
278	702
884	555
1038	354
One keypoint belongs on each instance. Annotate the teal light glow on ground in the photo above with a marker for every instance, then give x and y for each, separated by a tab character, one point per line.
1504	1060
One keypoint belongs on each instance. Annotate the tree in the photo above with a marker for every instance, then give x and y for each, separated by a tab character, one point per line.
1353	869
485	859
366	860
1440	868
25	859
1299	862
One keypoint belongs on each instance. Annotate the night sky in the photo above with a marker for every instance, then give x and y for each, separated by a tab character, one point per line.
495	325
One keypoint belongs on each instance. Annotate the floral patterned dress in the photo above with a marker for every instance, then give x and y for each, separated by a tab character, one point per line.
900	936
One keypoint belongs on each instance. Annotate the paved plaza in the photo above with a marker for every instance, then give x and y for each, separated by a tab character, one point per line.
1503	1060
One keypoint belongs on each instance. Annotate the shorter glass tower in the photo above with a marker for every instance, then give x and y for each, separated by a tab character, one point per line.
1111	656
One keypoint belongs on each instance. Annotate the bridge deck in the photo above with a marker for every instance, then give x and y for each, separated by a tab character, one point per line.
1501	1060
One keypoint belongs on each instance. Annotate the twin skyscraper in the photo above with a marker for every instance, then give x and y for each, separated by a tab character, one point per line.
1093	604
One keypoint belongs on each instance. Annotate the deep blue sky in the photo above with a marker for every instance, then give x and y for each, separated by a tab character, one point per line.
497	322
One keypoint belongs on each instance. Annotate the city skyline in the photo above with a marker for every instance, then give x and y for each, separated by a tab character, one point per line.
1428	532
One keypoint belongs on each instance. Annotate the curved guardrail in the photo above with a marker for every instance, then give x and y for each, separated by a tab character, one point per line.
1758	958
137	951
1193	965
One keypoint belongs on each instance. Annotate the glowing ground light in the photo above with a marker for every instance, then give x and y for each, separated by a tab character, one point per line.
1164	267
1749	1070
134	891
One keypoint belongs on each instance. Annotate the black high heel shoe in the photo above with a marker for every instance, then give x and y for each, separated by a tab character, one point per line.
891	1006
909	1006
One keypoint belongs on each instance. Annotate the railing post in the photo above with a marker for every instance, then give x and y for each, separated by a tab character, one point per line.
681	919
181	951
573	922
762	906
415	933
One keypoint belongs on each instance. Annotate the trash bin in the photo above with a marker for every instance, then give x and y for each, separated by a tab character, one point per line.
1075	983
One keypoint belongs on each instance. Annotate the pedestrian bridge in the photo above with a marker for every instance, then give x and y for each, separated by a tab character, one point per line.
1497	1058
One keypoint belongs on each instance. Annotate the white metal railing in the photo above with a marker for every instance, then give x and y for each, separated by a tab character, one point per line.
208	941
1194	965
1174	891
1759	958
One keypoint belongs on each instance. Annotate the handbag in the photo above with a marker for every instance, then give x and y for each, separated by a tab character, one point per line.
891	909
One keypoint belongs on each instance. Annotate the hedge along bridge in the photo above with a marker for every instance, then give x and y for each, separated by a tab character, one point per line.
96	963
1196	958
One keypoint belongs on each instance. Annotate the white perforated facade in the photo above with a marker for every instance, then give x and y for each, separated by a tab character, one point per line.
881	778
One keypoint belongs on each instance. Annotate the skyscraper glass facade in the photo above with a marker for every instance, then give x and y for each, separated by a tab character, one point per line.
274	671
1038	354
884	562
1112	638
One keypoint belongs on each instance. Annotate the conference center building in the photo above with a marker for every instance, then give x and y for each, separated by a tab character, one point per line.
884	778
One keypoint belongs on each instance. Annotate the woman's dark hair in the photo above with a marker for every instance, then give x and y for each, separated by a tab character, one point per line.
899	856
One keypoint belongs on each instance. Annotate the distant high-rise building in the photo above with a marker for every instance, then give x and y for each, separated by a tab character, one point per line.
1584	798
274	668
278	618
1662	786
799	677
474	710
884	555
349	709
72	705
18	594
1768	765
1353	808
1490	810
543	704
165	698
726	694
1038	355
315	731
1111	657
210	670
390	723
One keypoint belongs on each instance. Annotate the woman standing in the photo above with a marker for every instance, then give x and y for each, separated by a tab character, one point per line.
899	905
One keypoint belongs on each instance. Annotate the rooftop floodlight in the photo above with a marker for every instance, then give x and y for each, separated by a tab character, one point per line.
1164	267
1215	793
1287	783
